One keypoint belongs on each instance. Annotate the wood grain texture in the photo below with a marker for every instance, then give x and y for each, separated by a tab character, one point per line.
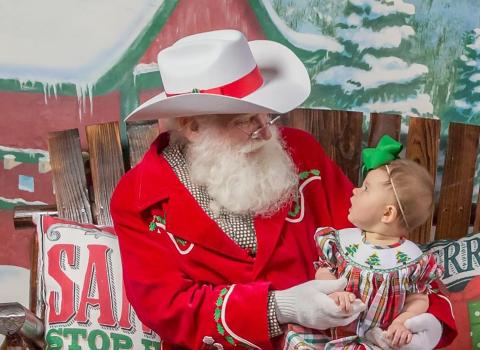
476	222
34	275
140	136
457	183
106	164
23	214
423	142
339	133
68	173
383	124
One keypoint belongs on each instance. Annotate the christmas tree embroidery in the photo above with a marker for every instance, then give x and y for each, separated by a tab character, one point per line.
352	249
373	260
402	257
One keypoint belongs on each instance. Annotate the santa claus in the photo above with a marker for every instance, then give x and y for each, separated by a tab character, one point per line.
216	223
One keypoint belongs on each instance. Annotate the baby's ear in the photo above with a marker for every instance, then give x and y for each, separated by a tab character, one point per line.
390	214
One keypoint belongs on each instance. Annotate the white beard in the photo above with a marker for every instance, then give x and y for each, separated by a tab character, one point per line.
257	178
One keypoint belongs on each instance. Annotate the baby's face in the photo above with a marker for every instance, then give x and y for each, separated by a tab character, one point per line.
369	202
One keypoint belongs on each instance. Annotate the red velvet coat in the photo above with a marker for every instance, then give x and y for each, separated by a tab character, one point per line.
187	279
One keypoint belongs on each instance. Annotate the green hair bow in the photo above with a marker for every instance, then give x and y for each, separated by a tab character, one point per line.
387	150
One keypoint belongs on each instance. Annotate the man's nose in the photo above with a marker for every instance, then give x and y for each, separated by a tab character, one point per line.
264	133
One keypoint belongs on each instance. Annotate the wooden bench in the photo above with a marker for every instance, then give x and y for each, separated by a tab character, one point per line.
83	184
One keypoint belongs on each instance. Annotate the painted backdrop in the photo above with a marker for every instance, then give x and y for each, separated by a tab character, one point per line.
69	63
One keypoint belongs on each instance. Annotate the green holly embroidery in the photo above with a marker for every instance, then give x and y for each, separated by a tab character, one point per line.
156	219
352	249
152	226
220	329
306	174
195	91
373	260
295	211
302	176
216	316
180	241
402	257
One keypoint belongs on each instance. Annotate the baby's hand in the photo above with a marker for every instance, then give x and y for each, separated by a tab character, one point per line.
324	273
398	334
343	300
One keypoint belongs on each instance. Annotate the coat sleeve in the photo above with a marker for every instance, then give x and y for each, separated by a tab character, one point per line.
181	311
441	308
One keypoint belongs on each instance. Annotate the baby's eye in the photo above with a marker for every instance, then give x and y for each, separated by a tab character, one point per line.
365	188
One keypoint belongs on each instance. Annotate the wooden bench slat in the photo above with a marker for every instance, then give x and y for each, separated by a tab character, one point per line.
383	124
423	142
69	176
140	136
457	183
339	133
106	163
476	223
33	275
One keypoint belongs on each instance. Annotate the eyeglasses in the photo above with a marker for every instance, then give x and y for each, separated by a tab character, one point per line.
253	133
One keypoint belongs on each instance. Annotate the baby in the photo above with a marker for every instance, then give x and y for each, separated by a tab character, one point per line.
389	273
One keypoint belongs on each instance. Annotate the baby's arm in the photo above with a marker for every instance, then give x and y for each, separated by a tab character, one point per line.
342	299
324	273
415	304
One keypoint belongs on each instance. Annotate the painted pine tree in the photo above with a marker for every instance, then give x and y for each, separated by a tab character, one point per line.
465	106
372	73
466	96
373	260
402	257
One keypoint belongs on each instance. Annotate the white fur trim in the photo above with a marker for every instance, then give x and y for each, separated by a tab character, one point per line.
449	303
172	237
302	199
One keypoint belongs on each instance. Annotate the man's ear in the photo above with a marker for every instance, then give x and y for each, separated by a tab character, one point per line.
188	127
390	214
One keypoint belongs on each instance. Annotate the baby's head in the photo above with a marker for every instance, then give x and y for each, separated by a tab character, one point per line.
398	196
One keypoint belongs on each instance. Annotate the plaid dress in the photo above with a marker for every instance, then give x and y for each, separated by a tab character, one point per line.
381	276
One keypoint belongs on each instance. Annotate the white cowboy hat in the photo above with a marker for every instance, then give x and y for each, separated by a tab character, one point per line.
219	72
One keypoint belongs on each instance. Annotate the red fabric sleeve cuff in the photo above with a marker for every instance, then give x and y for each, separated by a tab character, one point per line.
441	308
252	328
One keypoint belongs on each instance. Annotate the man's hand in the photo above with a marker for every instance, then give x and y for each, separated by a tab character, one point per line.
426	329
309	305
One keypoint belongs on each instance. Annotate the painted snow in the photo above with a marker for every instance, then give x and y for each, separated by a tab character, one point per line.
382	71
55	42
415	106
307	38
387	37
384	8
